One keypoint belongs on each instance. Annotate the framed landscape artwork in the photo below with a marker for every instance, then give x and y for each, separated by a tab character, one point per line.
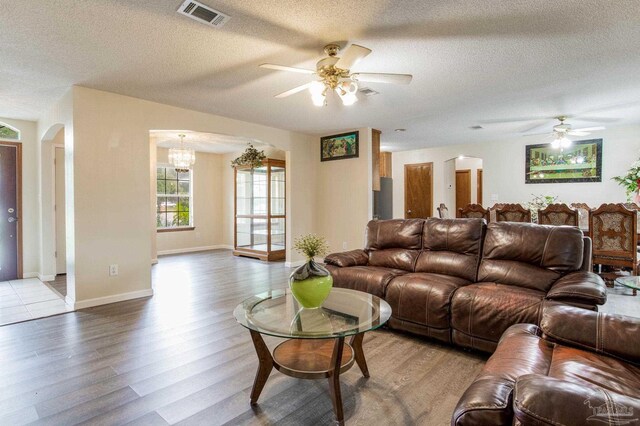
581	162
339	147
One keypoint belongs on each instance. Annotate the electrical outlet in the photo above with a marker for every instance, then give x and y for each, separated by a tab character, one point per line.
344	245
113	270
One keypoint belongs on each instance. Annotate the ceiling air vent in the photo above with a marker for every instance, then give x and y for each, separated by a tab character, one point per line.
368	92
201	13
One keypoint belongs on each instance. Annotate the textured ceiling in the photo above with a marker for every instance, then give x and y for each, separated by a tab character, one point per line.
473	61
204	142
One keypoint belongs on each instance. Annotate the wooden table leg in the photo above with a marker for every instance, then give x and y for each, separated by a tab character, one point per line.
358	353
264	367
334	380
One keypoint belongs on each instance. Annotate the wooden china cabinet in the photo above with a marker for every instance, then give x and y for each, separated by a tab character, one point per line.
260	211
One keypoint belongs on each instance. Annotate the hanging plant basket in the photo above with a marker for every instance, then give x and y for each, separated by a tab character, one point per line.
251	158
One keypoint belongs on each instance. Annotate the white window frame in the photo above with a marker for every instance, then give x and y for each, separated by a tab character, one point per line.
191	215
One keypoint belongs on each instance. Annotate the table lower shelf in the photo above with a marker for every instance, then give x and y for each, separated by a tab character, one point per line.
310	359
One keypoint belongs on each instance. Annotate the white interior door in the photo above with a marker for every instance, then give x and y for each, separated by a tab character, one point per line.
61	243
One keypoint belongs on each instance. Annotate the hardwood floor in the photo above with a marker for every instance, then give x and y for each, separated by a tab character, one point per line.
180	358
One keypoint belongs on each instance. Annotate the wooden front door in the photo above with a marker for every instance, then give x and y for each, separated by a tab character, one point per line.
479	187
10	231
418	190
463	188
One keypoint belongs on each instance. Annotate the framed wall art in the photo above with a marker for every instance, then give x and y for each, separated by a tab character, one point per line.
339	147
580	162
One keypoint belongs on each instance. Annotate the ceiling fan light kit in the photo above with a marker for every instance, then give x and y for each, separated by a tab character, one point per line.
335	75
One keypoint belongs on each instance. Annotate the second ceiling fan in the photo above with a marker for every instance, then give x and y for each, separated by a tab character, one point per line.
563	130
335	75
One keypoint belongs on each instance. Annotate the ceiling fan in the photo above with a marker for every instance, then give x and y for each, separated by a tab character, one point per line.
335	74
562	130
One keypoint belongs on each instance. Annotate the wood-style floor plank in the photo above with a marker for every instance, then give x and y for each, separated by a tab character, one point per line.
180	358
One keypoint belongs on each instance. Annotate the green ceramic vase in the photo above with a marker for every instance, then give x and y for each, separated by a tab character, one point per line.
311	284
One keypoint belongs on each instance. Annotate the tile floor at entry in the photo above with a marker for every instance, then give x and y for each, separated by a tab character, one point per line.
27	299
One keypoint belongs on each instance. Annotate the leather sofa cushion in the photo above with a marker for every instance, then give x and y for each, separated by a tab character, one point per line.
394	258
488	401
588	368
540	400
486	310
370	279
348	258
528	255
394	233
423	298
451	247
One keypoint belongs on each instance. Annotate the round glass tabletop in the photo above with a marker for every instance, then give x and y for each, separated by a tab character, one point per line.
631	282
344	313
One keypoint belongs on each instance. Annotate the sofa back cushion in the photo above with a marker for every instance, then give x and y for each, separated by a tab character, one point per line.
394	243
452	247
529	255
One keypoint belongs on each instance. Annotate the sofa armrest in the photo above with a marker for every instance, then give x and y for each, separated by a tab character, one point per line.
541	400
608	334
348	258
581	286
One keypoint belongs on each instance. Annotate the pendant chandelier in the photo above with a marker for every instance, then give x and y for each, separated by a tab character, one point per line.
182	158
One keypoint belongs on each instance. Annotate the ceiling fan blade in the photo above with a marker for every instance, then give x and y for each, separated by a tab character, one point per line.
517	119
352	55
288	69
371	77
589	129
597	119
294	90
549	134
576	133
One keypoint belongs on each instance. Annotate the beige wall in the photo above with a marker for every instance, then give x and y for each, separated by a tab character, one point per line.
30	200
345	197
207	207
504	170
112	187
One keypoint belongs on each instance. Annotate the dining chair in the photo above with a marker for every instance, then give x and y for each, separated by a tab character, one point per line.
492	211
513	213
613	231
583	215
443	211
474	211
558	214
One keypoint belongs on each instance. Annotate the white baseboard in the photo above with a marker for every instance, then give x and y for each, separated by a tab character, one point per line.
29	275
42	277
194	249
108	299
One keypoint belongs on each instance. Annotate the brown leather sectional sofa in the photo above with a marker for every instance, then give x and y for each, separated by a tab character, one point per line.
578	367
461	281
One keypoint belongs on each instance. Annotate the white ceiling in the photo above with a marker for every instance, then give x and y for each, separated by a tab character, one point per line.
204	142
472	60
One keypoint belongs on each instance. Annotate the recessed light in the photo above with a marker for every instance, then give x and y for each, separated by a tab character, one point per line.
400	130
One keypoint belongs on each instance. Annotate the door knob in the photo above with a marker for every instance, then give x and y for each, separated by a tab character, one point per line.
408	211
12	219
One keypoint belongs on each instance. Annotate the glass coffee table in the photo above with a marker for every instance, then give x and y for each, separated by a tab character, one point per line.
315	347
632	282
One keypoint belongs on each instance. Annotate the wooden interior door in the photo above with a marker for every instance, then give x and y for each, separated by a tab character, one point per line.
418	190
463	188
479	187
10	211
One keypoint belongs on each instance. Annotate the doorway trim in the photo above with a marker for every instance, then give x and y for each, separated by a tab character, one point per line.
18	146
